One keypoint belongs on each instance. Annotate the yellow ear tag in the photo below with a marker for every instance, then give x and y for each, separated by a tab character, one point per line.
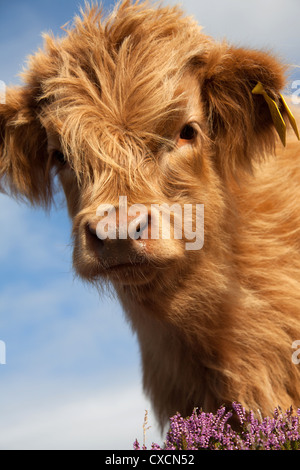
277	118
291	117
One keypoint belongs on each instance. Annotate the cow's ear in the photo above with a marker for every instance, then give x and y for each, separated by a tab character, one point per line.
23	147
240	122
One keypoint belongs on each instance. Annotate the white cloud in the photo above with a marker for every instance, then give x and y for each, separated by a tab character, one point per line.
109	419
268	24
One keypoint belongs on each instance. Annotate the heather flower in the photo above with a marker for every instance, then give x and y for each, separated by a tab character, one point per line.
136	445
212	431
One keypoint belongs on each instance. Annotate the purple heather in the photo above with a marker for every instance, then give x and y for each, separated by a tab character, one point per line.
212	431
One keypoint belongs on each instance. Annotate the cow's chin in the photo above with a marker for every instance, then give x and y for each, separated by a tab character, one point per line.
123	274
140	269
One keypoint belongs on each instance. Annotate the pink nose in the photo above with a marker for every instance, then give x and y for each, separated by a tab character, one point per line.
119	244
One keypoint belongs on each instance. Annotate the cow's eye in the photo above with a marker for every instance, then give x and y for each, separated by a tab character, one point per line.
187	134
59	157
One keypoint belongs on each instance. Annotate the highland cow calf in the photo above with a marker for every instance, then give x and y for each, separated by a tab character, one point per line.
143	108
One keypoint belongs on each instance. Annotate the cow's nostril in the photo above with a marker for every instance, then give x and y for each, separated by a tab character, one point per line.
143	226
91	232
135	228
92	228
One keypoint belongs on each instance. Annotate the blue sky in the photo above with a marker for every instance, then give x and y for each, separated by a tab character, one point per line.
72	378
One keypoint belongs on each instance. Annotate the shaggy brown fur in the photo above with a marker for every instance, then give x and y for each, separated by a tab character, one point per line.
105	107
